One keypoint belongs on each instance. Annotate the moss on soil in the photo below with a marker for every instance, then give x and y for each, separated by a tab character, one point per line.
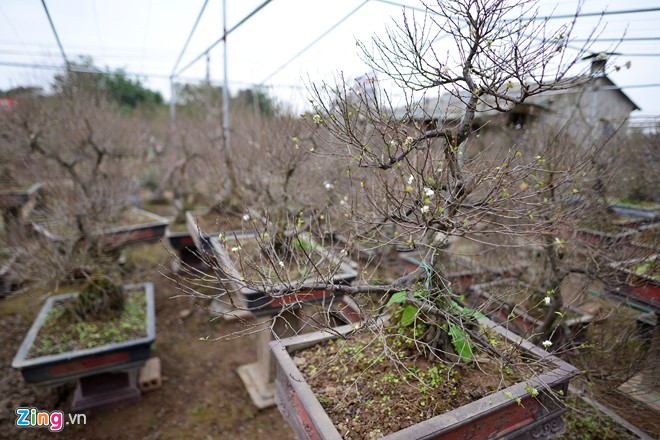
585	422
61	333
649	267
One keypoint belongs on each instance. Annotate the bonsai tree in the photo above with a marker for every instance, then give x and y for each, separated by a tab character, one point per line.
421	180
425	180
279	179
87	152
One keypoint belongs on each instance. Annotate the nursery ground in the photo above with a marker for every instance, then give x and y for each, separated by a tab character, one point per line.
201	396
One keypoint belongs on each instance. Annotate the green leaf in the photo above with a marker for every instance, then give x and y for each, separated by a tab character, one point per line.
461	342
466	311
408	316
398	297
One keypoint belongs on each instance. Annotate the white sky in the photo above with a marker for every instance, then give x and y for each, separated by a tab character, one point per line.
147	36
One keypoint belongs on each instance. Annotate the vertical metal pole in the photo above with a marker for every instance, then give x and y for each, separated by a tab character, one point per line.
225	86
172	103
208	68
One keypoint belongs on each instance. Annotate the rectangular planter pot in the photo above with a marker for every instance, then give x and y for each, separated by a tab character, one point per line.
498	310
265	301
495	416
184	245
180	240
5	276
15	198
69	366
461	280
202	238
638	212
148	231
623	238
642	289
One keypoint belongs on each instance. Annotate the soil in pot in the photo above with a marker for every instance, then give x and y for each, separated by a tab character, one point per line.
62	332
370	389
212	220
123	219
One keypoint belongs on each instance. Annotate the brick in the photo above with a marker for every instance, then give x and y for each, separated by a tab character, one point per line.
150	378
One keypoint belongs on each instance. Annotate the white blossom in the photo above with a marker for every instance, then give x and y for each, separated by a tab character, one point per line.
429	192
236	249
546	300
246	217
328	186
410	179
547	343
281	263
425	209
343	252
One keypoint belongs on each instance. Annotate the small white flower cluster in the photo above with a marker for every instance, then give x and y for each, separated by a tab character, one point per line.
546	300
547	343
328	186
235	249
425	209
246	217
428	192
281	263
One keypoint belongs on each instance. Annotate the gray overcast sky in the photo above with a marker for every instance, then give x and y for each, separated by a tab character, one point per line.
146	37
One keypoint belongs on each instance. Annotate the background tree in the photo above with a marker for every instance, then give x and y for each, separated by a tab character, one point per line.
84	77
87	155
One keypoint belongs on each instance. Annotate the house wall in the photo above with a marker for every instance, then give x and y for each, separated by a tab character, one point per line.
591	113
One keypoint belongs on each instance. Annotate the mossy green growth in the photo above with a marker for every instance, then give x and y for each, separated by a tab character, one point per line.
650	267
585	422
100	297
61	332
